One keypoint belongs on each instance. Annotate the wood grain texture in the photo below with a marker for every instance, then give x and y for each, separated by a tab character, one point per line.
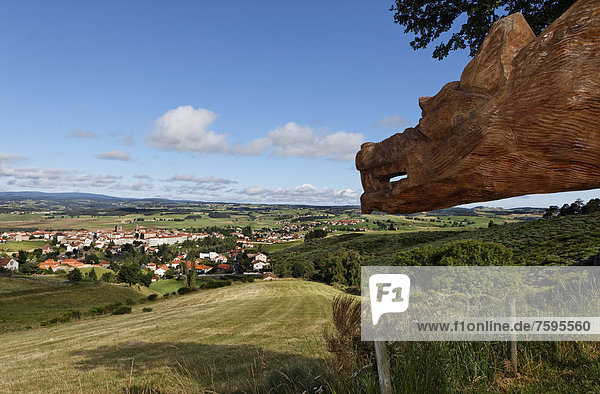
523	119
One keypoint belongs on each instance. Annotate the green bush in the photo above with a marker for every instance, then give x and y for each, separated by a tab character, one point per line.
121	310
463	252
75	275
66	317
152	297
184	290
70	315
214	284
146	309
96	311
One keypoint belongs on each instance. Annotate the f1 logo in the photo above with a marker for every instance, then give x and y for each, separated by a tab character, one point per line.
389	294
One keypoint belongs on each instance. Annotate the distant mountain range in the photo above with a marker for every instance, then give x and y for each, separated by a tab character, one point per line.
57	196
73	201
82	203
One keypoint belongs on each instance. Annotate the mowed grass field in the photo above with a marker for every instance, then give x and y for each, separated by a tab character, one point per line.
166	286
226	339
28	245
28	301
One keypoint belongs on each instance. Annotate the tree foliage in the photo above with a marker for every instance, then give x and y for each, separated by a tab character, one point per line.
463	252
576	207
129	273
428	20
92	275
75	275
315	234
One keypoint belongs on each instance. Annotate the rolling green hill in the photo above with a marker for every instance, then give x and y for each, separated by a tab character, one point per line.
225	339
567	240
28	301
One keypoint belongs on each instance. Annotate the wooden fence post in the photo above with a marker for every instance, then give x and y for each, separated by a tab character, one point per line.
511	310
383	367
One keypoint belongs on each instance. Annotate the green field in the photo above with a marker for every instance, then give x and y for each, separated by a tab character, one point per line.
28	301
276	247
98	270
225	339
167	286
259	217
14	247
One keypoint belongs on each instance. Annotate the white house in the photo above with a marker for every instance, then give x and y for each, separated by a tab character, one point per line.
211	256
220	259
160	272
259	265
9	264
261	257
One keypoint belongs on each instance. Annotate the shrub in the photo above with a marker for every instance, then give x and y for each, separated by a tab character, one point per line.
75	275
108	277
129	301
251	279
152	297
113	306
462	252
121	310
146	309
184	290
213	284
96	311
66	317
70	315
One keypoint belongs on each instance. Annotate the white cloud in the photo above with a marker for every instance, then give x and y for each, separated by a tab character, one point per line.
393	121
103	180
77	133
186	129
303	194
255	147
33	173
114	155
9	157
138	186
256	191
202	180
294	140
54	178
142	176
126	140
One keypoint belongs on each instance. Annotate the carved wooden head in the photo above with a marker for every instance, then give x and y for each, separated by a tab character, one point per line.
523	119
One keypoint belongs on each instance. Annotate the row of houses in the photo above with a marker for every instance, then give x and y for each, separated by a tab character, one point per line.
78	239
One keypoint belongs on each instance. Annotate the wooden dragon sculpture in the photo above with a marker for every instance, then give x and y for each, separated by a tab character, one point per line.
523	119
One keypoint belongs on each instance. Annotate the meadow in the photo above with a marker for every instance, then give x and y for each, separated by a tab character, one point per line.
167	286
27	301
256	216
27	245
233	338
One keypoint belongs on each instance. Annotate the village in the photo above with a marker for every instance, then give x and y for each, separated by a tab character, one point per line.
79	249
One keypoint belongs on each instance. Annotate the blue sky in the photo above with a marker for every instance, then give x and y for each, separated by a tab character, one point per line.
246	101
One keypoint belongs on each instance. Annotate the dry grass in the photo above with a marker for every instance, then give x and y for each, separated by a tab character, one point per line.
222	339
343	336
